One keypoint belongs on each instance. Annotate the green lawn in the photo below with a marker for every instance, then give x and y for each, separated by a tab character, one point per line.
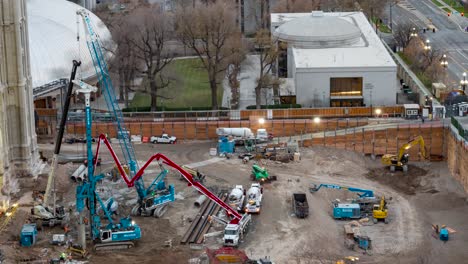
437	3
382	27
189	87
455	5
446	9
404	58
421	76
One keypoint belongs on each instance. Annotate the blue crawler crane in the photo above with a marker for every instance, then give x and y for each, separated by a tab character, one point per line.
112	235
152	201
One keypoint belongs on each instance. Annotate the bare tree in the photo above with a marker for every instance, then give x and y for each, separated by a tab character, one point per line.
295	6
402	34
425	61
123	62
239	50
373	8
208	30
268	53
151	30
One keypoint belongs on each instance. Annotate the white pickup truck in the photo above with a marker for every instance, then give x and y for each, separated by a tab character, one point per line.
165	138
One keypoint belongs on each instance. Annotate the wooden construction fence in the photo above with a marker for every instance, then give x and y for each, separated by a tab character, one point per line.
205	130
380	142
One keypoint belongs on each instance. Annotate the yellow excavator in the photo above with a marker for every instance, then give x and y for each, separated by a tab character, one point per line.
400	161
380	211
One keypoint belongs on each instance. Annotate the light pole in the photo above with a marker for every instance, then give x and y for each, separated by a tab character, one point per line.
464	82
444	61
392	3
427	47
413	33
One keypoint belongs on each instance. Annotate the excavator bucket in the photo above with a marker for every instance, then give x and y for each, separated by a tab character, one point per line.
313	187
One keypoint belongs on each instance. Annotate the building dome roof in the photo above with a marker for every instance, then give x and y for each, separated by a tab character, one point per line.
53	45
318	31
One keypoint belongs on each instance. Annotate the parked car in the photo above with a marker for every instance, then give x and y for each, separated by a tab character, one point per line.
165	138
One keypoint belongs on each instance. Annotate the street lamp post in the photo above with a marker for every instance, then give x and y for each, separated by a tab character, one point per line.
444	61
427	47
464	82
391	4
413	33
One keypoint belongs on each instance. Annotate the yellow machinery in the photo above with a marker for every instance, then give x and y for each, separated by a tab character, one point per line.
380	211
347	260
401	160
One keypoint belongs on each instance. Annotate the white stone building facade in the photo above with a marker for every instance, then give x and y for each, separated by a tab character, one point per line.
334	59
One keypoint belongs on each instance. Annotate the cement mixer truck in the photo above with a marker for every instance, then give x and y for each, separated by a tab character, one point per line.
241	134
254	198
236	198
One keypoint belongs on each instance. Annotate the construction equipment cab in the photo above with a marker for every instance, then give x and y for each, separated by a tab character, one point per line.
400	161
380	211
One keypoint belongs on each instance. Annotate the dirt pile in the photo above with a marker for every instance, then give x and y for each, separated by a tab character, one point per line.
415	180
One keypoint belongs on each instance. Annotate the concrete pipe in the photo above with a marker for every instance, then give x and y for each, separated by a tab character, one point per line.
200	200
77	172
82	176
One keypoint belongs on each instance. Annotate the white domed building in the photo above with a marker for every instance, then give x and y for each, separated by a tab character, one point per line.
333	59
53	45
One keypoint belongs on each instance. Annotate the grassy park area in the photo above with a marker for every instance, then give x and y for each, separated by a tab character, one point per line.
188	87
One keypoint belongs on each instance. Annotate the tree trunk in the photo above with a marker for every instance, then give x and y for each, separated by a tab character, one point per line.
258	94
154	90
121	85
214	94
126	88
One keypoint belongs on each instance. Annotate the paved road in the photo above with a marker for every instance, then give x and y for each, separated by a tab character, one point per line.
448	36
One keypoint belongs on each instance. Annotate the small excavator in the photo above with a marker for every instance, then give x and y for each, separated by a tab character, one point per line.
400	161
380	211
261	175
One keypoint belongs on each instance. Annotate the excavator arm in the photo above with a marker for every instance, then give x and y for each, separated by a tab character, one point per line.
362	192
416	141
160	157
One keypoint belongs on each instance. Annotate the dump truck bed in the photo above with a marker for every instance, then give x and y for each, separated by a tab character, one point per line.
300	205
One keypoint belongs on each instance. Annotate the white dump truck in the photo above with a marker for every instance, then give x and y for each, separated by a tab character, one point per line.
236	198
240	134
254	198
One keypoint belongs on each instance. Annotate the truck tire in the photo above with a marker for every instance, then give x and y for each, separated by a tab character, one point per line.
392	168
171	142
154	141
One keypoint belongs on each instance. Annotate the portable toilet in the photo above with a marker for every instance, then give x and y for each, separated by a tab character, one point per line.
444	234
28	235
225	145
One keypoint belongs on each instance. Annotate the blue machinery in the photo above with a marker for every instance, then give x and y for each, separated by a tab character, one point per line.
360	206
113	234
363	193
157	191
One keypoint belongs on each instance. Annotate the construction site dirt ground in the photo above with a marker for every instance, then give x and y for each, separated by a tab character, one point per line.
426	195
